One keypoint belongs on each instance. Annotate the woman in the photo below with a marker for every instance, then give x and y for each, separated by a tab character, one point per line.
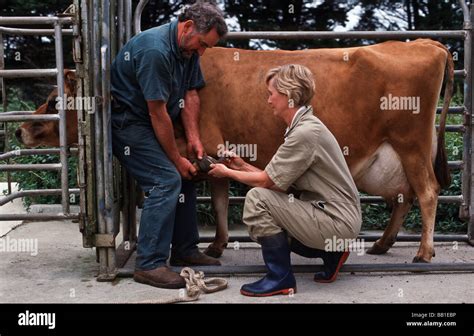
309	162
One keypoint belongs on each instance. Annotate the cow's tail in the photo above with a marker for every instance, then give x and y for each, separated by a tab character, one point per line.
441	162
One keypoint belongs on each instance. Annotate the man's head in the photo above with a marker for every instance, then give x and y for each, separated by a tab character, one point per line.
201	25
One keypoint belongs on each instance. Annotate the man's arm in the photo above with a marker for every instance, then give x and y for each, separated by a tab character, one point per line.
250	175
163	128
190	119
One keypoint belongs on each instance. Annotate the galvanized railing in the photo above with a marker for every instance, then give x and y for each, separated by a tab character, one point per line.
17	116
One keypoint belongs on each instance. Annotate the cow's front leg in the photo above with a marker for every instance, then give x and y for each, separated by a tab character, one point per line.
220	206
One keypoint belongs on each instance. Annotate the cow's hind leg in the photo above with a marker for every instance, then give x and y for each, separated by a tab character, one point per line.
422	179
220	206
401	207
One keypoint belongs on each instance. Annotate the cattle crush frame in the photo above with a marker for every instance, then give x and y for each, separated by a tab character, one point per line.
108	204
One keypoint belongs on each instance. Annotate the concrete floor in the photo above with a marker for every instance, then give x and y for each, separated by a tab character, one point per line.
64	272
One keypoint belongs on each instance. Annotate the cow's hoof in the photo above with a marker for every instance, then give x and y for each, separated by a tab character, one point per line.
377	249
214	250
419	259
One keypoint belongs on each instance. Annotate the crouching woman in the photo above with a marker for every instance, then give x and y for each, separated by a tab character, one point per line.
310	164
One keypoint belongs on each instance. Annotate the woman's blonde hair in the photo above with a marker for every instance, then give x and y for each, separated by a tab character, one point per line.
293	80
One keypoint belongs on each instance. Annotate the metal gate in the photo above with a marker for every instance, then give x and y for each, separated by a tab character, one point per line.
11	116
108	204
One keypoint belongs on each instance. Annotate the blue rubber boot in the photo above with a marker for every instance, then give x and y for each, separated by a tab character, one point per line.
279	278
333	261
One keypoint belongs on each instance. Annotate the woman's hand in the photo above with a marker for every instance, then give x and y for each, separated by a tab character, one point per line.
218	170
233	161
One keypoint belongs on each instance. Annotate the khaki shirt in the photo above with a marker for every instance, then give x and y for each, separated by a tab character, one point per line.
310	161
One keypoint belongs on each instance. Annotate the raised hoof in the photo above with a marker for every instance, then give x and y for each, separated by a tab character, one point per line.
377	249
214	250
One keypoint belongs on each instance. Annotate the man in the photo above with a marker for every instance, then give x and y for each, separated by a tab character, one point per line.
155	78
309	162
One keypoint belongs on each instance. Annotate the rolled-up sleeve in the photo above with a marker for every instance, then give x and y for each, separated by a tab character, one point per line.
153	73
291	160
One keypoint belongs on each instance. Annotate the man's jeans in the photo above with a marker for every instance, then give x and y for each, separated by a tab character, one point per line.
169	209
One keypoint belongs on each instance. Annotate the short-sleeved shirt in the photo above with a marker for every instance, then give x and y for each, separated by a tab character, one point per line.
311	161
151	67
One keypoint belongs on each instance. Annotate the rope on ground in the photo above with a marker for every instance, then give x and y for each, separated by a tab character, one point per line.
195	285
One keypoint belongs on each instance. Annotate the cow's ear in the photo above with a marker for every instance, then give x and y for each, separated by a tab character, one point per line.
70	80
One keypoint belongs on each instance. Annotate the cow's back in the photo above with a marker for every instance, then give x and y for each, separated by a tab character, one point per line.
349	85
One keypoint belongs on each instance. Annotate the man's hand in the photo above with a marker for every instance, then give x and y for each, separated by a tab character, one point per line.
218	170
195	148
185	168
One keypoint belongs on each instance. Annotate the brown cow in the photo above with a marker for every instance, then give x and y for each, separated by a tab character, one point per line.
46	133
379	101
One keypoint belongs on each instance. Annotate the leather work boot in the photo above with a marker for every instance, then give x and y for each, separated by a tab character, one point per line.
197	258
161	277
279	278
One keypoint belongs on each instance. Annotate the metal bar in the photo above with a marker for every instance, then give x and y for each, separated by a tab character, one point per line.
120	25
58	39
297	35
34	192
34	20
17	112
363	199
99	168
453	110
86	130
41	151
27	73
137	19
36	117
113	28
107	156
469	118
347	268
132	199
453	165
39	217
36	32
466	15
362	236
454	128
460	73
38	166
465	207
128	20
4	108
